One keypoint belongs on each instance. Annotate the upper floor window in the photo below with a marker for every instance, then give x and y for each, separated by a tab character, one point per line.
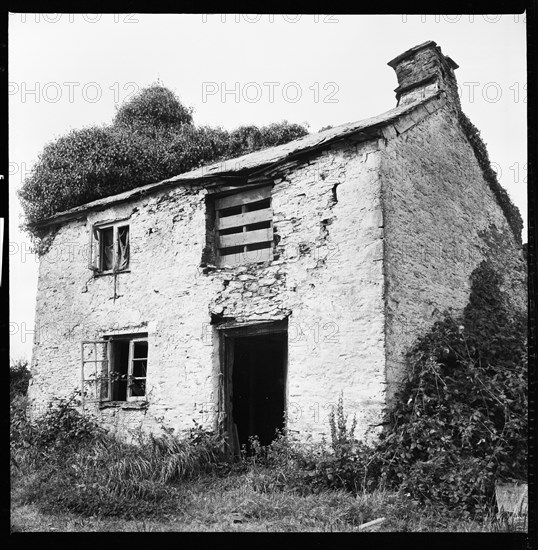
110	248
244	227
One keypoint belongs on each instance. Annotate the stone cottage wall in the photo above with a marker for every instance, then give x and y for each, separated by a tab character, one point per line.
327	281
441	221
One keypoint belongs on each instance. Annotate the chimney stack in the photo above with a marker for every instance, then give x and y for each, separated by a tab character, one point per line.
422	71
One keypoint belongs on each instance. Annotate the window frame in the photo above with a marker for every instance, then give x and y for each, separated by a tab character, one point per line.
98	244
101	369
130	364
94	377
130	369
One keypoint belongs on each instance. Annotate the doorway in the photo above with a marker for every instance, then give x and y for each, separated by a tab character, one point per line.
256	365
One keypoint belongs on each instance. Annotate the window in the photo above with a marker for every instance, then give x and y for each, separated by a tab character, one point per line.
244	227
110	248
115	369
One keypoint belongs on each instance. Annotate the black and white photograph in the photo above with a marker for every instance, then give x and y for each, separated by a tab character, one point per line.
268	272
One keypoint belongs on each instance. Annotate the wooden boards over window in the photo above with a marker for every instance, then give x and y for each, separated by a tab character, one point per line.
244	225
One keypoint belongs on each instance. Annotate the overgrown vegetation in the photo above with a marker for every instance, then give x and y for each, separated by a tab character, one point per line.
459	424
74	465
509	208
19	378
152	137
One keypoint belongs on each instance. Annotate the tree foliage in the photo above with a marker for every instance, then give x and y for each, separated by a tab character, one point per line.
152	137
154	108
19	378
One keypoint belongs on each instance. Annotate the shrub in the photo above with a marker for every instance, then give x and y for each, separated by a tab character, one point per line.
460	421
63	426
19	378
288	463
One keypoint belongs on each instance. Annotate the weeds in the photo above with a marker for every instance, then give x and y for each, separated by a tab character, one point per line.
65	461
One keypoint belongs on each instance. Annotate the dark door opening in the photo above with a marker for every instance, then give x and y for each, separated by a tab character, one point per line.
258	386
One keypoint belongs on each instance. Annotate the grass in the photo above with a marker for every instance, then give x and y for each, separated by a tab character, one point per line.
239	502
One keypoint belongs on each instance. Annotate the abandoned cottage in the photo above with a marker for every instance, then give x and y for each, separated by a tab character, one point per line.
248	295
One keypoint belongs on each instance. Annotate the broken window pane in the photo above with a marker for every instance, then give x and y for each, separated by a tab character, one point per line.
111	249
94	369
95	250
138	387
139	368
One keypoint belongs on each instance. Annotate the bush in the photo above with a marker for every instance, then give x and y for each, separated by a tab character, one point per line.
19	426
63	426
460	421
19	378
288	463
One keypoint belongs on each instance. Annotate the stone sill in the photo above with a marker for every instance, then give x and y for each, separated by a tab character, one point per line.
123	405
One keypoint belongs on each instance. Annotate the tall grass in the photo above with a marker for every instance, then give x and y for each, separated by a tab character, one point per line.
65	461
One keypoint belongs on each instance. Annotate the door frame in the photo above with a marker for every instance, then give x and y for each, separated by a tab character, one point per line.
228	333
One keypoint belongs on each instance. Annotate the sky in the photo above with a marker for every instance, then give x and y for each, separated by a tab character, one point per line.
69	71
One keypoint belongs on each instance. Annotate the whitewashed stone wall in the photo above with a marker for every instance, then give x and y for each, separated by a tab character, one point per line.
328	280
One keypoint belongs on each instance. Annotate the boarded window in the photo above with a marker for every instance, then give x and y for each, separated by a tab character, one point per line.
110	248
244	227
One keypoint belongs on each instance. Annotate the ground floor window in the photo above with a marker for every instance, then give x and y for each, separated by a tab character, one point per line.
115	368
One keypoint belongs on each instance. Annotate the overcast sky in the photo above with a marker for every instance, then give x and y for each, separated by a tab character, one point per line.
70	71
